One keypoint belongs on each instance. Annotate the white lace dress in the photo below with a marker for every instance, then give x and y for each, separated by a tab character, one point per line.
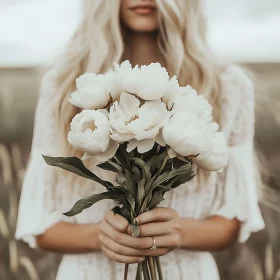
230	194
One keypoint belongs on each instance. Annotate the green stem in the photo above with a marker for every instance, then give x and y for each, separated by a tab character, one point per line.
126	271
155	266
139	272
152	268
146	270
159	268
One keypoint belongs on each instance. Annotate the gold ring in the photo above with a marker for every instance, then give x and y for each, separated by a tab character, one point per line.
154	244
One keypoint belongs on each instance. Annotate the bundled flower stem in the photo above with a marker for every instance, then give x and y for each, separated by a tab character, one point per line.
142	180
152	268
126	271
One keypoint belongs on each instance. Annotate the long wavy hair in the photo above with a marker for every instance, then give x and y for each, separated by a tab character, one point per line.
99	42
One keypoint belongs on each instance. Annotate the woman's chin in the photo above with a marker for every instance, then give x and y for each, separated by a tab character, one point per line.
144	26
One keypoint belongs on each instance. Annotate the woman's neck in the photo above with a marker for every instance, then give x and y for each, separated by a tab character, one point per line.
141	48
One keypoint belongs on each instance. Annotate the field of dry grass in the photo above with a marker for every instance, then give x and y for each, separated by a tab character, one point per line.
258	259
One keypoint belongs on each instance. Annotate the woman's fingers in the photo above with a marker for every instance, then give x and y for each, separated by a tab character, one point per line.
140	243
125	239
165	241
153	229
120	258
163	224
118	248
116	221
159	214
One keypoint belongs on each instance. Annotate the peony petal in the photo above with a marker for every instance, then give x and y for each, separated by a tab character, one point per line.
85	80
215	162
130	104
122	137
144	146
149	134
94	97
152	92
216	158
104	112
133	81
86	156
132	144
159	139
184	133
171	153
113	146
75	99
90	132
152	116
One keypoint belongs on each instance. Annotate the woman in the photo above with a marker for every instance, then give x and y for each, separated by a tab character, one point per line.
208	214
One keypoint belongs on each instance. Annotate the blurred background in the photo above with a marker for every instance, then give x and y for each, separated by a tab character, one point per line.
33	33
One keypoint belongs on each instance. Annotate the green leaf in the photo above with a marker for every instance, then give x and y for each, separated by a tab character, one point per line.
121	156
153	164
129	199
124	212
87	202
182	180
162	162
141	191
136	173
158	162
166	179
178	162
126	181
156	199
146	201
116	209
143	166
110	166
120	179
129	183
168	166
75	165
182	171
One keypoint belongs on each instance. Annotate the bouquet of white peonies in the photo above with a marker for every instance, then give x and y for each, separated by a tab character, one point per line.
139	123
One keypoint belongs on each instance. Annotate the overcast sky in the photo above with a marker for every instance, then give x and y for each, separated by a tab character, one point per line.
33	32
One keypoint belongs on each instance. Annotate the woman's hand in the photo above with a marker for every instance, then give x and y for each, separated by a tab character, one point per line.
163	224
170	232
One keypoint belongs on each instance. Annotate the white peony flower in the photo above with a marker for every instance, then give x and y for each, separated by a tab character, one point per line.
188	135
148	82
92	92
183	132
116	78
139	123
90	133
172	91
188	100
216	157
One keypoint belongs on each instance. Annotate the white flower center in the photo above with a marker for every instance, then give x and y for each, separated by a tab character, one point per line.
88	125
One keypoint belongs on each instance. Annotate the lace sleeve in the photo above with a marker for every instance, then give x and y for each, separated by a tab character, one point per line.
40	200
239	178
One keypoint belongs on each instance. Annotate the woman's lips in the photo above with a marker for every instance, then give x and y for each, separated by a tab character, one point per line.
143	10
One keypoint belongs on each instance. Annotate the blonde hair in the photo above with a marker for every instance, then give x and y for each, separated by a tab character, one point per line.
98	43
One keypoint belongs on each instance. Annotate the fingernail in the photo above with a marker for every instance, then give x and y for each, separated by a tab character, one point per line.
135	221
141	260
